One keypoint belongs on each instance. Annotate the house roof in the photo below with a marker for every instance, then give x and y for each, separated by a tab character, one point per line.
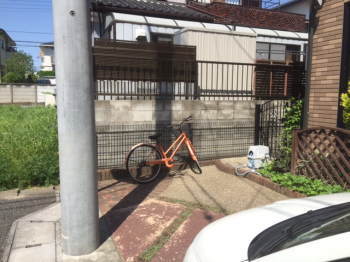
252	17
152	8
9	39
47	44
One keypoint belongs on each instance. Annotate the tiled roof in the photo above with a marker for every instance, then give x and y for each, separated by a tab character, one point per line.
252	17
152	8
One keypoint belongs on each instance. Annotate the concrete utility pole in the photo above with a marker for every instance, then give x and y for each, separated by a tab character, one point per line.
76	127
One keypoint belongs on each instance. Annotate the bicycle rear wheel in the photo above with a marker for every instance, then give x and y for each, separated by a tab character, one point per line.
195	167
193	161
137	163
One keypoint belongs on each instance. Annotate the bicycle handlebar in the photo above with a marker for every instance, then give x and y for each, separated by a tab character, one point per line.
185	120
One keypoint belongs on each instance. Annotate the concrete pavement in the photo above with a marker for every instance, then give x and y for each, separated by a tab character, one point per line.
149	222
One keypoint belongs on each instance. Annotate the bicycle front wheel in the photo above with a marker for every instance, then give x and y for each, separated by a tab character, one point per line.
137	163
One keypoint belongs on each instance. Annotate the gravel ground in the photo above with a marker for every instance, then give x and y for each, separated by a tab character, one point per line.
12	209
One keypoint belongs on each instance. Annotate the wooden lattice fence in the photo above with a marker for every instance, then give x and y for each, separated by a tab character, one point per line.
322	153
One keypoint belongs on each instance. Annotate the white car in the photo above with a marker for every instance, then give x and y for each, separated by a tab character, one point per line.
296	230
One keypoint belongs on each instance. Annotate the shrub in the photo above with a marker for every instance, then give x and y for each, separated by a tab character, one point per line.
345	102
28	147
46	73
291	121
301	184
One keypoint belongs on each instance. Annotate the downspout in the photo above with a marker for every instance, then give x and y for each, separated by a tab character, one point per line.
305	119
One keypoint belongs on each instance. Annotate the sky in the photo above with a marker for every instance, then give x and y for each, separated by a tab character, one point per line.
29	21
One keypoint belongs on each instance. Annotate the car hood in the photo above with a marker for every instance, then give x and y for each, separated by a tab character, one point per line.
228	239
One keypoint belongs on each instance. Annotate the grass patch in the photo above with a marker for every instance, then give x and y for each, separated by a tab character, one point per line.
301	184
29	147
150	252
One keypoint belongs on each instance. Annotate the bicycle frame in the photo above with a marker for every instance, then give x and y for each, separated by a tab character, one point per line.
174	148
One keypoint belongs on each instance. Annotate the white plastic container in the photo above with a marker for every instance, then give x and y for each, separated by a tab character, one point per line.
257	156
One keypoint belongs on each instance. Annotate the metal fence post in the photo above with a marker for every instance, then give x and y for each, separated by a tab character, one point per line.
257	124
294	150
11	88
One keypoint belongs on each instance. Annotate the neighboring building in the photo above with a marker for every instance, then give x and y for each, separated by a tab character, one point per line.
47	57
6	49
301	7
278	36
330	63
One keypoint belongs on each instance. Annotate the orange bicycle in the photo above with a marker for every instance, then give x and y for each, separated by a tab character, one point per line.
144	161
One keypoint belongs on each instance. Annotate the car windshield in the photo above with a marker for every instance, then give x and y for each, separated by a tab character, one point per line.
336	226
304	228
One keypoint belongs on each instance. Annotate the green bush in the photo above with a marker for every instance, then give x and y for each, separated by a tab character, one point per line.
291	121
345	102
301	184
46	73
28	147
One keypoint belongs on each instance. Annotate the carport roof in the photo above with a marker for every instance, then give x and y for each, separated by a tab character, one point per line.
152	8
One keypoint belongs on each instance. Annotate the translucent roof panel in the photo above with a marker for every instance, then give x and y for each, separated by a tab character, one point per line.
267	32
130	18
304	36
244	29
216	26
160	21
192	24
163	30
286	34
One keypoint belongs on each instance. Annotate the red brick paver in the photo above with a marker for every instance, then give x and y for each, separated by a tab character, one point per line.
176	248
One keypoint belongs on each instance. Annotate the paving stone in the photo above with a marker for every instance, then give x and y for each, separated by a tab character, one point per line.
34	233
42	253
143	226
176	247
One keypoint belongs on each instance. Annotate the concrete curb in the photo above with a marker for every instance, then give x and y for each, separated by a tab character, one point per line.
8	242
260	180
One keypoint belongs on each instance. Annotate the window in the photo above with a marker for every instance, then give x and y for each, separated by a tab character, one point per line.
2	44
262	51
277	52
156	38
310	226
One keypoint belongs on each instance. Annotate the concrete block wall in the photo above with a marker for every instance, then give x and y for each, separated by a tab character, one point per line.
138	111
27	93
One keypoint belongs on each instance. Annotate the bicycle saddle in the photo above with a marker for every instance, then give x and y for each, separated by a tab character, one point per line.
155	137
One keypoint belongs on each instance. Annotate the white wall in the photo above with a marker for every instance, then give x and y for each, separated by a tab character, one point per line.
215	45
27	93
47	55
301	7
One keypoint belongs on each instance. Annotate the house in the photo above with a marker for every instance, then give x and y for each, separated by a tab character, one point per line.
279	36
6	49
297	7
47	56
330	63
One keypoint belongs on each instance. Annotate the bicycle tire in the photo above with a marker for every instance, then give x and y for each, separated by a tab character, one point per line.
195	167
194	164
136	163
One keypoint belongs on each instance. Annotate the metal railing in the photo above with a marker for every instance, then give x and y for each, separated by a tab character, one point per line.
143	79
212	139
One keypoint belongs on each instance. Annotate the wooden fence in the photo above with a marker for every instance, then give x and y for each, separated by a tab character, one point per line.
322	153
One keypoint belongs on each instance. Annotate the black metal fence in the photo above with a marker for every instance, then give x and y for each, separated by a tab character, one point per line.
269	124
142	79
212	139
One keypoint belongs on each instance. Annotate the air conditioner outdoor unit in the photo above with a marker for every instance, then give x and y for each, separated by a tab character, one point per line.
258	156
